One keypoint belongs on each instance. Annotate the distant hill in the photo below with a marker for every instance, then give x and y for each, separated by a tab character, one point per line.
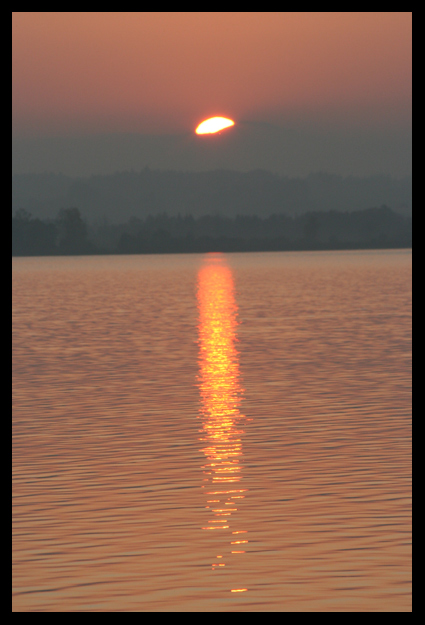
247	146
119	196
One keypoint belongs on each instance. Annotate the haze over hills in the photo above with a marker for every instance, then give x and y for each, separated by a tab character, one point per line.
117	197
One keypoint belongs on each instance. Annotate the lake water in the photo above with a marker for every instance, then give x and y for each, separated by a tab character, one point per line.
218	432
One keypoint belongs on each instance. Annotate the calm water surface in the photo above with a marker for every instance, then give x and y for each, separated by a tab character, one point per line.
219	432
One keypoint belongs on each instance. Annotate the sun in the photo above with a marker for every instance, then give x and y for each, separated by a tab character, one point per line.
213	124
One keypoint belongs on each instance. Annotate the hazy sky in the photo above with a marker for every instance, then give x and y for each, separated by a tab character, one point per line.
343	75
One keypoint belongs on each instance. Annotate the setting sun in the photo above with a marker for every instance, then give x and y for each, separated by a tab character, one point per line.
213	124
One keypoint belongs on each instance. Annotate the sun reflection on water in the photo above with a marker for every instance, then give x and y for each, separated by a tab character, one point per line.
221	393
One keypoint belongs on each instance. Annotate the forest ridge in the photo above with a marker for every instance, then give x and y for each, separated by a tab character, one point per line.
69	234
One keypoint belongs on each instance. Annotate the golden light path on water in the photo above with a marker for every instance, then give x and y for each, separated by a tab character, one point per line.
221	392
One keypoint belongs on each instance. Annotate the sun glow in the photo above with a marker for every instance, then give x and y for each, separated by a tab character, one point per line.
213	124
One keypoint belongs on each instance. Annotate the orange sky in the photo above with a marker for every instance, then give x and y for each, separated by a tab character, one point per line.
164	72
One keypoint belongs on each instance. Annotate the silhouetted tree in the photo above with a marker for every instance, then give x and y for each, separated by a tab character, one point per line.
32	237
311	227
72	232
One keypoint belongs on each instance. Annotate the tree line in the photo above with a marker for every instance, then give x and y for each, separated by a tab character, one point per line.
69	233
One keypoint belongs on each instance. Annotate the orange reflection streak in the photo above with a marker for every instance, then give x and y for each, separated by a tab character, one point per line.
220	390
